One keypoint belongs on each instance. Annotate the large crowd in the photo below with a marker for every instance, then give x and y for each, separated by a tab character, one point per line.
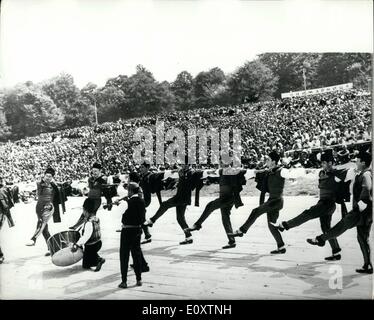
298	128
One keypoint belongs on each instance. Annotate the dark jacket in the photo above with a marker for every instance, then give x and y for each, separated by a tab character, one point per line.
151	183
135	212
6	203
59	198
362	192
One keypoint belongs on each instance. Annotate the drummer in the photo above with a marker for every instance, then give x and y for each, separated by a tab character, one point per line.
91	237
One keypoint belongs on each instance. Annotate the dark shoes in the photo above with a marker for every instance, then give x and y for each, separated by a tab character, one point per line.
187	241
195	227
139	283
334	257
2	259
144	268
236	233
281	226
149	223
368	269
279	251
316	242
122	285
99	265
146	240
229	246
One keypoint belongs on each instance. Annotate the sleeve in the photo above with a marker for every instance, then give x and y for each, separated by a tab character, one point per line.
365	195
293	173
250	174
88	229
350	176
38	189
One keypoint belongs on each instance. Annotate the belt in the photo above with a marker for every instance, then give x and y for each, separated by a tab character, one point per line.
130	226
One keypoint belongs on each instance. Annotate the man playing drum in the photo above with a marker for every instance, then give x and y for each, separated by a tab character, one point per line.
91	237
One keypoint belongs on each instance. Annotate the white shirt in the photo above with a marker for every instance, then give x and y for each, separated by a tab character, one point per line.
88	229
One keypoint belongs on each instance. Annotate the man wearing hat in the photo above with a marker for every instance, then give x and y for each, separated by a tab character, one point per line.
230	187
273	183
325	207
361	215
132	221
91	238
180	201
49	199
96	185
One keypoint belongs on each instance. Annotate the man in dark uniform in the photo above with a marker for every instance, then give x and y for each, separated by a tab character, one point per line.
132	220
5	205
229	195
180	201
324	208
273	183
145	184
96	185
49	200
91	238
361	215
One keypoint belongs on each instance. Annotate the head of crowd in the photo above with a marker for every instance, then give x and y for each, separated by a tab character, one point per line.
297	128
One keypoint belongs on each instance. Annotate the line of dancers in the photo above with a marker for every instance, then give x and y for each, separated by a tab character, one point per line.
271	180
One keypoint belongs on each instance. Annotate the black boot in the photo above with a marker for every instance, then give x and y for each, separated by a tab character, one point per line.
367	269
229	245
334	257
280	250
316	242
237	233
186	241
195	227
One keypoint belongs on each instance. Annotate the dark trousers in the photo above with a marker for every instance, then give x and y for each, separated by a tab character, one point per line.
351	220
180	209
130	242
80	221
271	207
322	210
90	255
42	224
225	207
1	225
145	228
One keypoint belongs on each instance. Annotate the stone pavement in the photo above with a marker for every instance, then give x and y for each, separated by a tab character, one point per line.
198	271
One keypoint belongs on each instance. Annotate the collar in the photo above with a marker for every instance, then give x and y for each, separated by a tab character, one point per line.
134	195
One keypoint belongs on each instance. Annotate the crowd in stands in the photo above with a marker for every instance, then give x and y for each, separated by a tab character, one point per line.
298	128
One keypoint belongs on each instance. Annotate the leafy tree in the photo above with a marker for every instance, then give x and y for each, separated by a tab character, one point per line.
252	82
288	68
182	88
64	93
29	111
208	87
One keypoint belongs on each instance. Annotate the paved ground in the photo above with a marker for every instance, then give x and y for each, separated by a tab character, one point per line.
198	271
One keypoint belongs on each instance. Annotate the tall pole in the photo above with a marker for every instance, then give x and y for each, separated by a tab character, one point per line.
304	77
97	122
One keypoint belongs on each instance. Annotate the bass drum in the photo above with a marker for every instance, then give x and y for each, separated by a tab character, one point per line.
60	248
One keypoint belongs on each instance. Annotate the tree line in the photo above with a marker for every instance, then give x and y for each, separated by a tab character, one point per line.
29	108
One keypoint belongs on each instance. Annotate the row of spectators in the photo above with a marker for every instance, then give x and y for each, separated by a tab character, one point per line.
296	127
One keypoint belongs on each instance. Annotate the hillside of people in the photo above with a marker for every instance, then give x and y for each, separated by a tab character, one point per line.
298	128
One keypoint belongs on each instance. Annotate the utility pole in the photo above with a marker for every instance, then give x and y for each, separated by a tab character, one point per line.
304	77
96	120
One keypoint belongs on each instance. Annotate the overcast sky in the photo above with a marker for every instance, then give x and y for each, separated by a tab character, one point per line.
97	39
